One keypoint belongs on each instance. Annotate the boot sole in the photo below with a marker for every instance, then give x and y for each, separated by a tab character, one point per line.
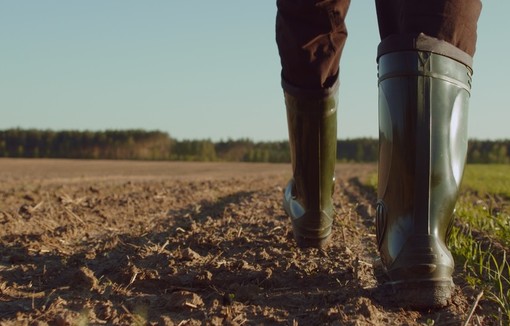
304	242
423	294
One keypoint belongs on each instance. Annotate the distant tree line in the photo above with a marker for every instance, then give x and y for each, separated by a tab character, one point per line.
109	144
156	145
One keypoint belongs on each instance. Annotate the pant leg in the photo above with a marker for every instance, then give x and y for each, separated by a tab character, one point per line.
310	35
453	21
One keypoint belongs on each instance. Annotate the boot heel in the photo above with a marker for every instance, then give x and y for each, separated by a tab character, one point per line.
312	229
421	274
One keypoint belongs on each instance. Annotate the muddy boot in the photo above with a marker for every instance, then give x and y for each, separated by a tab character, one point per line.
423	107
311	118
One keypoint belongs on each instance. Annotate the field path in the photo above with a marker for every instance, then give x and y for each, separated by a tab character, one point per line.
172	243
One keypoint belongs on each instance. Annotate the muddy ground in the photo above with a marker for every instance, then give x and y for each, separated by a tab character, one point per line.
159	243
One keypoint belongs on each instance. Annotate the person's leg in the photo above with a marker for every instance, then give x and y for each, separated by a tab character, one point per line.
310	35
424	62
452	21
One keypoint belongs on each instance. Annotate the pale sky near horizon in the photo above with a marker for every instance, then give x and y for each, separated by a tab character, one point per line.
199	69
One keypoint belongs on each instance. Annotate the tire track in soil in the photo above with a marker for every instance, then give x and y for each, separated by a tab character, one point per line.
190	251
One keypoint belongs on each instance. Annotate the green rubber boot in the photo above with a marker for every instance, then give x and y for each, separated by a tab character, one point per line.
423	107
311	118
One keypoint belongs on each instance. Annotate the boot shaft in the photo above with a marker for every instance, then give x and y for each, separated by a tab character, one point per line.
312	125
423	104
311	118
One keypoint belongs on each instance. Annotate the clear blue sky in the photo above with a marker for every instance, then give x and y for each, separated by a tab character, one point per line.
199	69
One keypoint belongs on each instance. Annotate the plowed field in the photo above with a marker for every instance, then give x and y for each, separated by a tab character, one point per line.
165	243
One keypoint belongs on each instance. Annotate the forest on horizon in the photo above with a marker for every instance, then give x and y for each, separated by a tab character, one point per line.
137	144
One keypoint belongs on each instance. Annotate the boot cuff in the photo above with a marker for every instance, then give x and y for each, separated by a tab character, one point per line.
422	42
303	93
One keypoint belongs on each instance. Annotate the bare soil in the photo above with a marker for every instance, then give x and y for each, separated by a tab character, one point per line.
165	243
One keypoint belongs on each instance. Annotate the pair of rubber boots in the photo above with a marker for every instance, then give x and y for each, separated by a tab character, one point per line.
423	102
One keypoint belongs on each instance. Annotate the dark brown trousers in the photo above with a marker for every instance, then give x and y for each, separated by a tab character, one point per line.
311	34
